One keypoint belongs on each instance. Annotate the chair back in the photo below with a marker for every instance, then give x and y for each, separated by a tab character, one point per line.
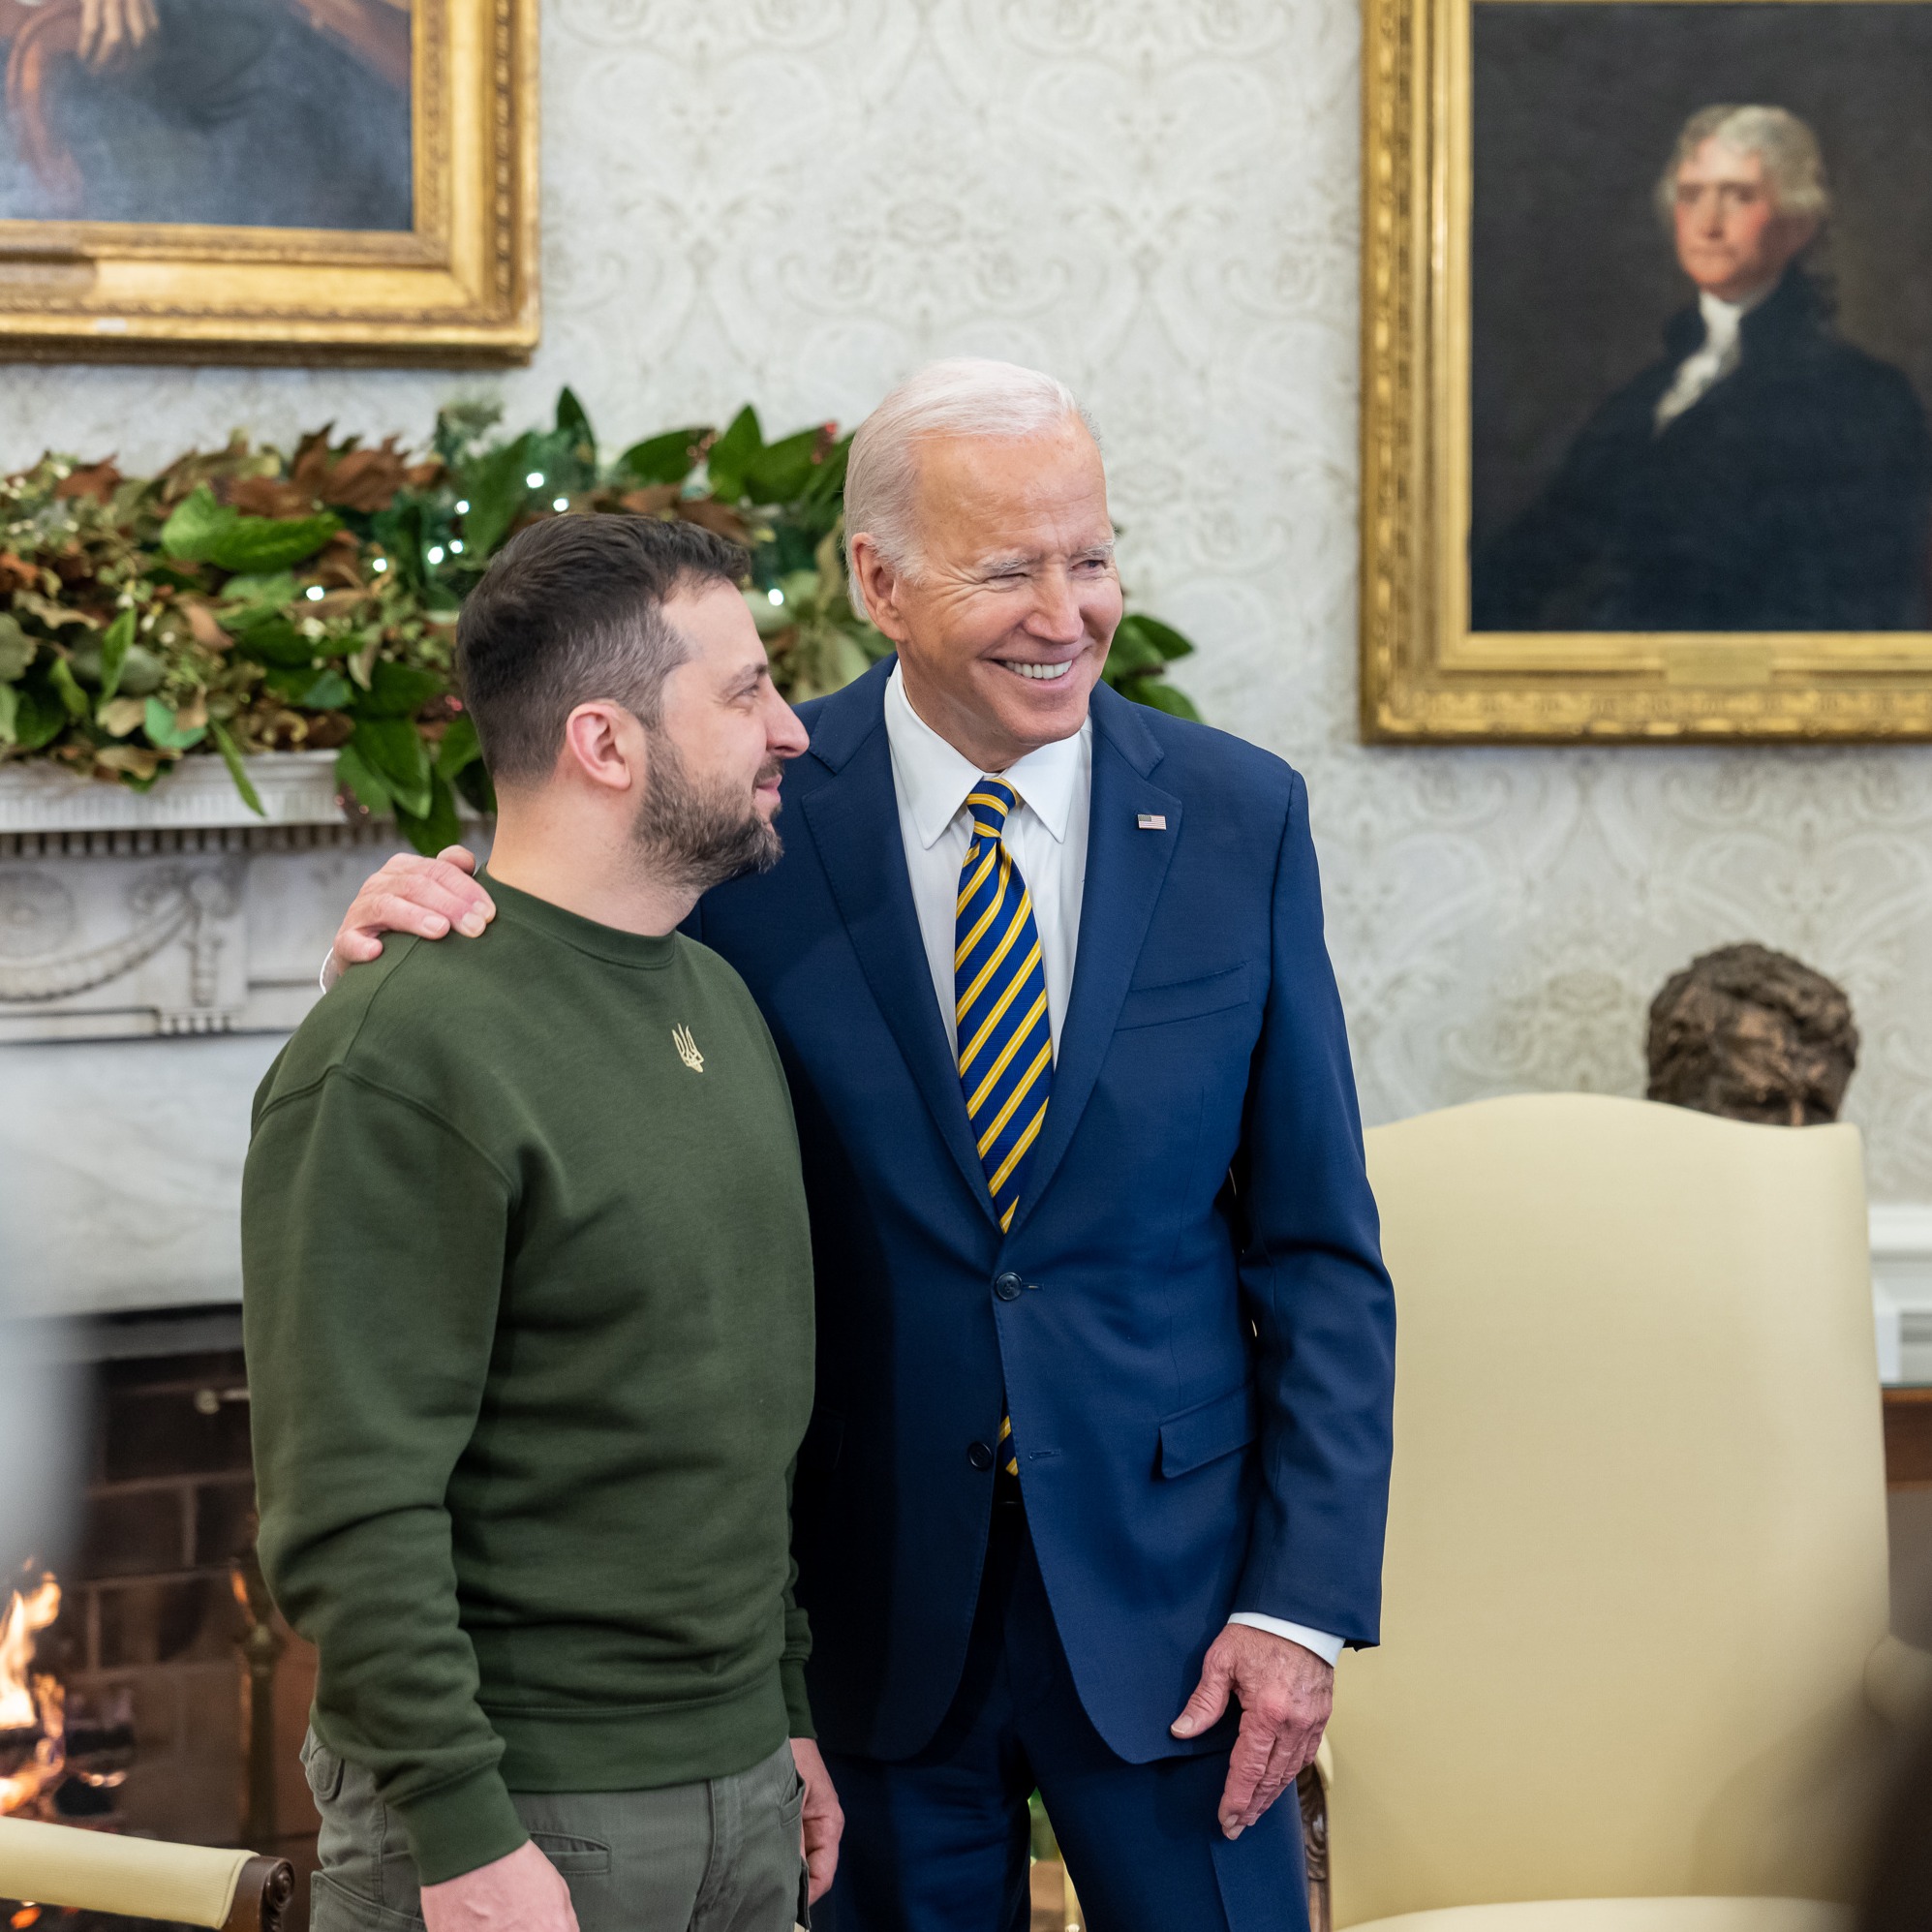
1636	1534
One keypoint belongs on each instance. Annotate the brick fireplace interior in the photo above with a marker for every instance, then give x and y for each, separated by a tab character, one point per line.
153	1636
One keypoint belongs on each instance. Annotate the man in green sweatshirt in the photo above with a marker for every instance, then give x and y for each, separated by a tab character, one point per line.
527	1310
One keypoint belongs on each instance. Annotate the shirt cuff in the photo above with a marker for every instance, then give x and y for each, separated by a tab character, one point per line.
1328	1648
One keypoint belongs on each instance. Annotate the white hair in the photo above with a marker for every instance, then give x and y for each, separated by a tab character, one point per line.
965	395
1788	148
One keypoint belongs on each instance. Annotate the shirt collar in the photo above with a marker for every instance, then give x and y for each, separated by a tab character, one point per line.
1722	320
933	777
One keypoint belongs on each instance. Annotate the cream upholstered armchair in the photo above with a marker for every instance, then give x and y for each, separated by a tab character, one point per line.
1636	1593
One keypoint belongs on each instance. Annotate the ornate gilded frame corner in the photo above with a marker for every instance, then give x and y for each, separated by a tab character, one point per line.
1426	678
460	289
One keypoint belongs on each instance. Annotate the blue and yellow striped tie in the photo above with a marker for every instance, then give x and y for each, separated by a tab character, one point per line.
1005	1039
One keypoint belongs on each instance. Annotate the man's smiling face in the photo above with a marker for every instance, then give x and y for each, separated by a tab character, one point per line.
1003	619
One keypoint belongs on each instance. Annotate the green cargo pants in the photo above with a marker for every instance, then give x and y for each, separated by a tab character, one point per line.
721	1856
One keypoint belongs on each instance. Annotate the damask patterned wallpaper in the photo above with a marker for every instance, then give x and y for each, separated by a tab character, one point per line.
796	200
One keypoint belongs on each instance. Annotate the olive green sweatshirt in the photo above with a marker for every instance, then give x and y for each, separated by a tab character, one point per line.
527	1310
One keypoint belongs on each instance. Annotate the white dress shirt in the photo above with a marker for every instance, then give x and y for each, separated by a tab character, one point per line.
1045	833
1715	359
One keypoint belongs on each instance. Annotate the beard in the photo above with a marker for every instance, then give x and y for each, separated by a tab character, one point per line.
697	835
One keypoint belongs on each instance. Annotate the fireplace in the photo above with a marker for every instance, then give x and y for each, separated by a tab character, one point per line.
146	1685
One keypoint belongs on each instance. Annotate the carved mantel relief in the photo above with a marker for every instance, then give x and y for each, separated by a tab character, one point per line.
177	912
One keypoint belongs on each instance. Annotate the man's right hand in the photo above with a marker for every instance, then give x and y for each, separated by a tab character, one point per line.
411	894
519	1893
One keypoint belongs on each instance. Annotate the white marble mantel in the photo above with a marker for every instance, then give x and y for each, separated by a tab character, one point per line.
155	950
126	914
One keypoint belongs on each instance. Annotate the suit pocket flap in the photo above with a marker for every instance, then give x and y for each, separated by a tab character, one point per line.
1200	1435
1182	999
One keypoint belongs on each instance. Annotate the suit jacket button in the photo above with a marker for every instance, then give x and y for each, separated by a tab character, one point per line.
1008	1286
980	1456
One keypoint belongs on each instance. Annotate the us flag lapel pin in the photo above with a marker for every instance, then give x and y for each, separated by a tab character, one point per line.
1152	821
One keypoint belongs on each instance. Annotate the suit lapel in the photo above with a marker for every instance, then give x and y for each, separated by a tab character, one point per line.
853	818
1125	866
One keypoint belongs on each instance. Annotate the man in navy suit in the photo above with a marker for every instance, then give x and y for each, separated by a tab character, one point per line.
1095	1485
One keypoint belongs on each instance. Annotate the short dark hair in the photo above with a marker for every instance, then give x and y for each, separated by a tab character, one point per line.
571	611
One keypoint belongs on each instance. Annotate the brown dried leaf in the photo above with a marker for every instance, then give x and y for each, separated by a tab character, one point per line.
99	481
139	760
55	616
336	565
650	502
15	573
267	495
720	518
208	634
122	714
353	478
328	730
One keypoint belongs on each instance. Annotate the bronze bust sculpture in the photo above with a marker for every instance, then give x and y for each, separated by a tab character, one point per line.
1754	1036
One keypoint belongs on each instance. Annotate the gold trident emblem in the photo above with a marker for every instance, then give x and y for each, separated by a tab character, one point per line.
686	1048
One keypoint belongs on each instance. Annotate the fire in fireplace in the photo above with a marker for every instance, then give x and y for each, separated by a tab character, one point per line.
61	1757
33	1721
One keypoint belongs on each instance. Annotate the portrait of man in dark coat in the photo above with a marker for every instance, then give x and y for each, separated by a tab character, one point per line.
1766	475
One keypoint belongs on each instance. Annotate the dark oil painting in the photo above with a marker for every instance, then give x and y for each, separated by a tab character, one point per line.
241	113
1701	350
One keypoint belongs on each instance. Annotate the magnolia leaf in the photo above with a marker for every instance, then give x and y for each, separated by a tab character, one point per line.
1132	652
256	544
1158	695
460	746
354	777
119	715
330	691
10	707
781	470
274	588
39	717
273	641
397	691
66	687
232	757
203	531
575	426
141	671
16	649
392	750
497	490
435	828
115	643
827	480
197	522
1164	638
664	459
165	729
732	455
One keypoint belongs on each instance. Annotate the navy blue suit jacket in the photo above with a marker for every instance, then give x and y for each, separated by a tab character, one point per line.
1196	1334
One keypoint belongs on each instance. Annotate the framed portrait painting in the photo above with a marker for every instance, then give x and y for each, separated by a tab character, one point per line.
1647	367
268	180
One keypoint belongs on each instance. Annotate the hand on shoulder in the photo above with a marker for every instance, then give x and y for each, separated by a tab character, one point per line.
411	894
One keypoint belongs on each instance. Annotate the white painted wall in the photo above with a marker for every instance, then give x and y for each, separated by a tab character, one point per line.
794	201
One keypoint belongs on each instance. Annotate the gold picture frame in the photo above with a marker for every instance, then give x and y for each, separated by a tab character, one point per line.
1427	676
457	287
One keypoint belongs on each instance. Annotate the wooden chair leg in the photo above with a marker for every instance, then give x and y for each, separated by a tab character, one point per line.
261	1896
1315	1846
